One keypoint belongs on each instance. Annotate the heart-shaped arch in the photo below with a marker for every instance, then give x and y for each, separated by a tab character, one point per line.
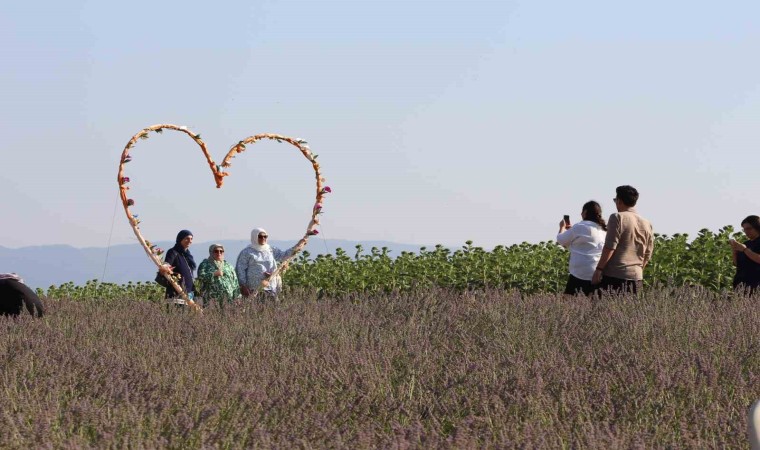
219	173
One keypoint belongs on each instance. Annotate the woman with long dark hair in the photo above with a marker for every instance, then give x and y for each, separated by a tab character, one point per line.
747	256
585	240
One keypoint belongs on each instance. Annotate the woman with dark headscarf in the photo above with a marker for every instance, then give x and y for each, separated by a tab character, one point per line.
218	279
182	260
747	256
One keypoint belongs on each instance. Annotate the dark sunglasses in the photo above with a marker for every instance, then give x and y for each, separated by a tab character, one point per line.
218	251
263	236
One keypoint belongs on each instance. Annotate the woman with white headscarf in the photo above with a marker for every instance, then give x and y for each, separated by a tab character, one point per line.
257	262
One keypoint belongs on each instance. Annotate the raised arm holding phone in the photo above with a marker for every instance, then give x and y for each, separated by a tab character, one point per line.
584	240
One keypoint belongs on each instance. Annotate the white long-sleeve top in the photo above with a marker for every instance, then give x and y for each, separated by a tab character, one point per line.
252	264
585	240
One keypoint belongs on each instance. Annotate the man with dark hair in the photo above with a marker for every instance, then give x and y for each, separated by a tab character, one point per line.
627	248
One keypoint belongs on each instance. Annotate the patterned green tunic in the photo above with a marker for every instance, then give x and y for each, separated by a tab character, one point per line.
223	289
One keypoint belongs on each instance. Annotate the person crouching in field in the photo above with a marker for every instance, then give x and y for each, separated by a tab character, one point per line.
585	241
747	257
627	247
15	295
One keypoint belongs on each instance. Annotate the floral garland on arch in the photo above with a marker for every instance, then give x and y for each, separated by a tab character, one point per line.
219	172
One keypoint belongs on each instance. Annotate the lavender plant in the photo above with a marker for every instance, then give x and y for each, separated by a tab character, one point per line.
675	368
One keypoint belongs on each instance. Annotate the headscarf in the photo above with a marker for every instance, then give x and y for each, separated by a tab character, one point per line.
184	251
255	240
212	248
182	235
11	276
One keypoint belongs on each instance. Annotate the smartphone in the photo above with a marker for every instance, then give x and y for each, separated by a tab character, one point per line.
567	220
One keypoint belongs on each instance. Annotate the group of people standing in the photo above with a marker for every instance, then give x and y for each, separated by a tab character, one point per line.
217	279
612	255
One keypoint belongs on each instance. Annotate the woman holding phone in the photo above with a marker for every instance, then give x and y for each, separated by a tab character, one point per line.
747	257
585	240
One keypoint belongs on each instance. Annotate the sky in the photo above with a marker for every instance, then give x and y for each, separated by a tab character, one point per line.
434	121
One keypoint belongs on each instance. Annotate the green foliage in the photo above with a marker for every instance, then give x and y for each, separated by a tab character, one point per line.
529	268
705	261
95	289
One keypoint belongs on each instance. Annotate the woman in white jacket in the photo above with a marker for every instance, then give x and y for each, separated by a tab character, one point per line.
257	262
585	240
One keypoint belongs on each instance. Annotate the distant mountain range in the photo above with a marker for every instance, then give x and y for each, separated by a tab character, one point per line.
43	266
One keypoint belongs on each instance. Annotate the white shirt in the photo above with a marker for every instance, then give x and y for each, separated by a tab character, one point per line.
585	240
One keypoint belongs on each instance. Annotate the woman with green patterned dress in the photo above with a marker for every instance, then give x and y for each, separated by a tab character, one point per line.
217	277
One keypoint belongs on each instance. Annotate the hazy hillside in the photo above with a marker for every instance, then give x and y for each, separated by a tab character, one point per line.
42	266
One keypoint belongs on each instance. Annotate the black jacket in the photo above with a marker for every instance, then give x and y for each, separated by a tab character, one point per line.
15	295
181	266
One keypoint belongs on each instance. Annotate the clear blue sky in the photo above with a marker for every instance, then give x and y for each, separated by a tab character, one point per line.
435	121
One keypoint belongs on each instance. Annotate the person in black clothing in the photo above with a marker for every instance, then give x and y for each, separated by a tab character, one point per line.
182	260
14	295
747	257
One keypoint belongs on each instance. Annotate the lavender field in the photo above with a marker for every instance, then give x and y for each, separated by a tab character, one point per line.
675	369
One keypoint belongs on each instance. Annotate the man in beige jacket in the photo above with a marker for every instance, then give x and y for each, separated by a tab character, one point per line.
627	248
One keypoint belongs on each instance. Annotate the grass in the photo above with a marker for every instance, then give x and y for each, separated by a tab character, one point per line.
675	368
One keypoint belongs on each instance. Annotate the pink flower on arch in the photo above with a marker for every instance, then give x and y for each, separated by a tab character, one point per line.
313	232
